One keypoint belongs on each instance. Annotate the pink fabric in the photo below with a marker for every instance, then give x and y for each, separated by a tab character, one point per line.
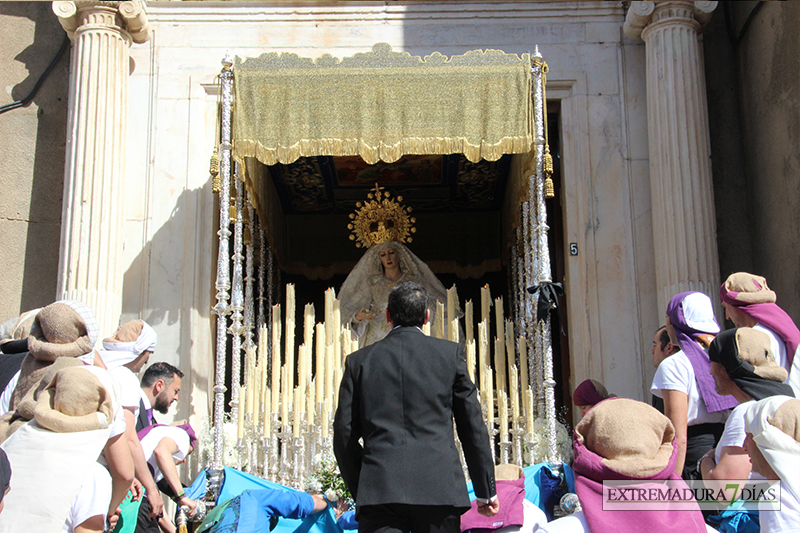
769	315
586	394
511	495
697	356
589	475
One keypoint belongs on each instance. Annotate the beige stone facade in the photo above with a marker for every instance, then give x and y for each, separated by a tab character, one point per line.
609	120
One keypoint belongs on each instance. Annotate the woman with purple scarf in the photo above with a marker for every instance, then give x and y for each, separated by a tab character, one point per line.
749	302
691	401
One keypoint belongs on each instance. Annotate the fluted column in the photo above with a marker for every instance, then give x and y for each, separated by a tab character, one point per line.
90	263
684	225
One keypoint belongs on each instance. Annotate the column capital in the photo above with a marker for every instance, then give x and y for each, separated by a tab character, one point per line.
641	14
129	16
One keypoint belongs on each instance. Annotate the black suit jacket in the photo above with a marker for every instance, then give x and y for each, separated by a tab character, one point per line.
400	395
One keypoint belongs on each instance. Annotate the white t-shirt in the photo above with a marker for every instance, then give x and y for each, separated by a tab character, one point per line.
734	434
778	349
151	440
787	520
92	498
5	397
129	388
676	373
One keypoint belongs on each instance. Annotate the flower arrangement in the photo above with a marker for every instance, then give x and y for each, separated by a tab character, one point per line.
326	478
205	444
539	451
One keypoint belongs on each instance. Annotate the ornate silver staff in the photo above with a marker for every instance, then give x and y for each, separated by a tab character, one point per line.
223	283
543	332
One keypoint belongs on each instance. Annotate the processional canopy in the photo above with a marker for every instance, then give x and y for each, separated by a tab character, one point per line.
381	105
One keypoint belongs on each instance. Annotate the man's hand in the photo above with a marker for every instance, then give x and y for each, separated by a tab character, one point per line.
154	497
489	509
136	490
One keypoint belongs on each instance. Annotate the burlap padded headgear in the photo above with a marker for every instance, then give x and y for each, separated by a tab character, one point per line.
752	289
128	332
508	472
72	402
787	418
632	438
754	347
58	331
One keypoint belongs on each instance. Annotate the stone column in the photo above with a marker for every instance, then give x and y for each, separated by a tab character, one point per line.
90	263
684	225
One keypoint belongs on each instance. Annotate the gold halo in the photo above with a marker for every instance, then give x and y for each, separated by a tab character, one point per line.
380	219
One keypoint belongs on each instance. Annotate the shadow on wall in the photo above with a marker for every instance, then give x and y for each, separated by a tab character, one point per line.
170	285
38	151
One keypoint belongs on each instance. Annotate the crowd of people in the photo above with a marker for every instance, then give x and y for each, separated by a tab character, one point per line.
720	392
79	434
82	451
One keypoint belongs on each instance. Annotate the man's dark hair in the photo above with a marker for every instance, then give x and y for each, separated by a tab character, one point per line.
408	303
663	338
157	371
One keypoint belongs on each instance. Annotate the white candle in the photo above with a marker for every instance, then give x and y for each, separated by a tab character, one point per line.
267	408
319	372
310	403
529	412
240	425
438	324
326	414
486	303
471	359
510	353
513	392
500	364
489	398
285	396
451	311
483	351
289	333
276	357
426	328
503	408
308	325
299	407
329	297
468	321
329	373
500	326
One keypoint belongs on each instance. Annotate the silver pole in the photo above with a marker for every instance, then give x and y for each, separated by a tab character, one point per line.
249	301
223	283
237	299
544	338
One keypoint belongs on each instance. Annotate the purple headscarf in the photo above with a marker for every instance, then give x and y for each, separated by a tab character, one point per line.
691	319
750	295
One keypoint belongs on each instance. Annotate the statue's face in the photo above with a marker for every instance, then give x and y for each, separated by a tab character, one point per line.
389	259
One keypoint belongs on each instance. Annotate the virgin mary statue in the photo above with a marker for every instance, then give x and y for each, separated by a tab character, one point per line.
382	225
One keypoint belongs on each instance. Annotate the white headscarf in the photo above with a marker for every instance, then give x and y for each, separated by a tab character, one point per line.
781	450
118	352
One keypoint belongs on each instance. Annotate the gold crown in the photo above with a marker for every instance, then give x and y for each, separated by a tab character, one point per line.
381	219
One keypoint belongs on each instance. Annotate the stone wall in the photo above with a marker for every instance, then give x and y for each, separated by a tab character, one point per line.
758	198
31	155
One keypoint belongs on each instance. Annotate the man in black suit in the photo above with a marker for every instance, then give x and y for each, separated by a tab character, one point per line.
400	396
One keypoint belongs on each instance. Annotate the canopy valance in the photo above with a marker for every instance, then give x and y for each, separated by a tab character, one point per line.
381	105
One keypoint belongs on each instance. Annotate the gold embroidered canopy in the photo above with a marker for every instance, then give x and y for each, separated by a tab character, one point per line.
381	105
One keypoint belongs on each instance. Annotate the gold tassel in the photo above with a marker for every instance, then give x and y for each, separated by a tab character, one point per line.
549	189
216	181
